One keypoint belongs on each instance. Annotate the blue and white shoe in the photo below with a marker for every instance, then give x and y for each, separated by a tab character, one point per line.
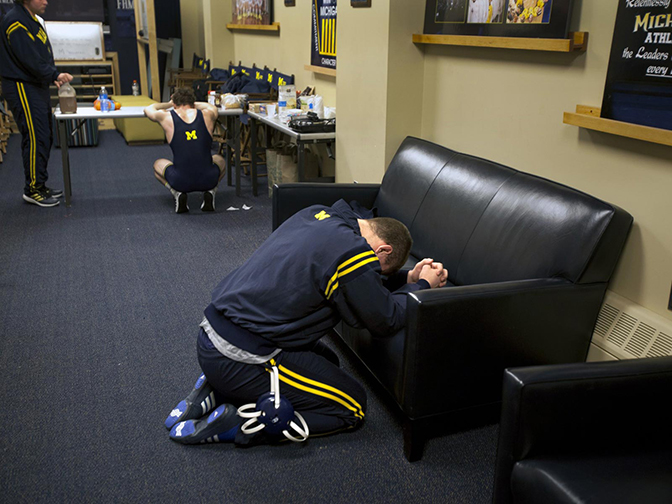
220	426
199	402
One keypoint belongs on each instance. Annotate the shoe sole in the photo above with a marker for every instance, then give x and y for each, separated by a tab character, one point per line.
39	203
208	202
182	206
220	421
199	402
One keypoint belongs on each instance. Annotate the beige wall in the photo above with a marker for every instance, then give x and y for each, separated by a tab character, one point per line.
219	42
379	85
193	41
507	106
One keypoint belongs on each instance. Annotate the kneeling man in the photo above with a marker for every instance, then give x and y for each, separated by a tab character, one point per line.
322	265
188	126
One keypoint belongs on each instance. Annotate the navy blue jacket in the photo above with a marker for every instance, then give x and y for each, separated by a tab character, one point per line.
25	50
313	271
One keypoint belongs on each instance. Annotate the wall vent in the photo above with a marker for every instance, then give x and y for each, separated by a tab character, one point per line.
627	330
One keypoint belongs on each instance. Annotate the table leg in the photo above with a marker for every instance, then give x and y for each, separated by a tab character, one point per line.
65	158
236	137
300	154
253	154
228	145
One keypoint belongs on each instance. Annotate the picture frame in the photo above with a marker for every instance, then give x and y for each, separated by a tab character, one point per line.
249	12
290	3
499	18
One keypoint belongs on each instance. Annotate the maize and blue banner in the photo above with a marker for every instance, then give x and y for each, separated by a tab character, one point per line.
638	88
323	40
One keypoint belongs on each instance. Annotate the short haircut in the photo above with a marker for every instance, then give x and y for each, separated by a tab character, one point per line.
396	234
183	96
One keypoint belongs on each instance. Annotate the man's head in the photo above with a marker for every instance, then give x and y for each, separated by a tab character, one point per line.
183	96
389	239
34	6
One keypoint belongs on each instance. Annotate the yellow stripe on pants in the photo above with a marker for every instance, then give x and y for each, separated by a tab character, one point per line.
31	133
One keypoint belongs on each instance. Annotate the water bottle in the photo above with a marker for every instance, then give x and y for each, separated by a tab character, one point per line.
105	103
136	88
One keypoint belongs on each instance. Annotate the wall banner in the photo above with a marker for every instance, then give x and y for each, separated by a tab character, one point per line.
323	40
639	79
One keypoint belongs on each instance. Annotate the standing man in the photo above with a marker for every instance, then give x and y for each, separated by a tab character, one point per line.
322	265
188	129
27	69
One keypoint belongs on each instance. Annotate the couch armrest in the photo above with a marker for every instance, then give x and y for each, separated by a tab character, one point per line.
460	339
582	409
290	198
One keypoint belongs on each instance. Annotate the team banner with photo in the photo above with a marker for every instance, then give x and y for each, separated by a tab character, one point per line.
323	47
639	79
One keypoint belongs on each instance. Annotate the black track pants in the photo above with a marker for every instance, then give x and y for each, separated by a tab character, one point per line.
328	398
32	112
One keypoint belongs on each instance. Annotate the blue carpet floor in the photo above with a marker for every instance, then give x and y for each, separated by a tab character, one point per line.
99	309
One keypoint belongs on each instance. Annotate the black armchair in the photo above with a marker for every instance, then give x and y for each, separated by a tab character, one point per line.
586	433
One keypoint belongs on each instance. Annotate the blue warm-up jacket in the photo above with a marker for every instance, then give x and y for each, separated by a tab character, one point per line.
25	50
313	271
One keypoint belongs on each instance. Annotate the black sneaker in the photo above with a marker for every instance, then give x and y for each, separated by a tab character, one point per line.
55	193
181	205
40	198
208	204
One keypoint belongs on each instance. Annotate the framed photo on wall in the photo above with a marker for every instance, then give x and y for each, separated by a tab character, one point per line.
499	18
252	12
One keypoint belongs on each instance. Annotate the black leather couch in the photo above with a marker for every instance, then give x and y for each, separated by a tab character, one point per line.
529	261
589	432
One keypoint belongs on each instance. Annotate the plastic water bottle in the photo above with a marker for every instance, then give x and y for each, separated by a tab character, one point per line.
105	103
136	88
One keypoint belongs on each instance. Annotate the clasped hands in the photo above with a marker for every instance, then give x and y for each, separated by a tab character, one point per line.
433	272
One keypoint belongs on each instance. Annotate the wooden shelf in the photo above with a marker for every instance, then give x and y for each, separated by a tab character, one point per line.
577	41
272	27
81	76
320	70
83	63
589	118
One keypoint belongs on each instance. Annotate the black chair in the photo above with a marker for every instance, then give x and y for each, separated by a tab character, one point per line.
586	433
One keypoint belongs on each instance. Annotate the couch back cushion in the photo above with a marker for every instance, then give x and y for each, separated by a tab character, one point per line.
490	223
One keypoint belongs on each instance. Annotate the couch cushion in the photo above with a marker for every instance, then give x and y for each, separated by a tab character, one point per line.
633	478
408	178
453	206
533	228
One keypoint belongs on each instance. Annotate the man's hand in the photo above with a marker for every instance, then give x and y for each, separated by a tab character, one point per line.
414	274
62	78
435	274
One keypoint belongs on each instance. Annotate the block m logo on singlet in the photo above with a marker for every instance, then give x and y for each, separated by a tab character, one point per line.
191	135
